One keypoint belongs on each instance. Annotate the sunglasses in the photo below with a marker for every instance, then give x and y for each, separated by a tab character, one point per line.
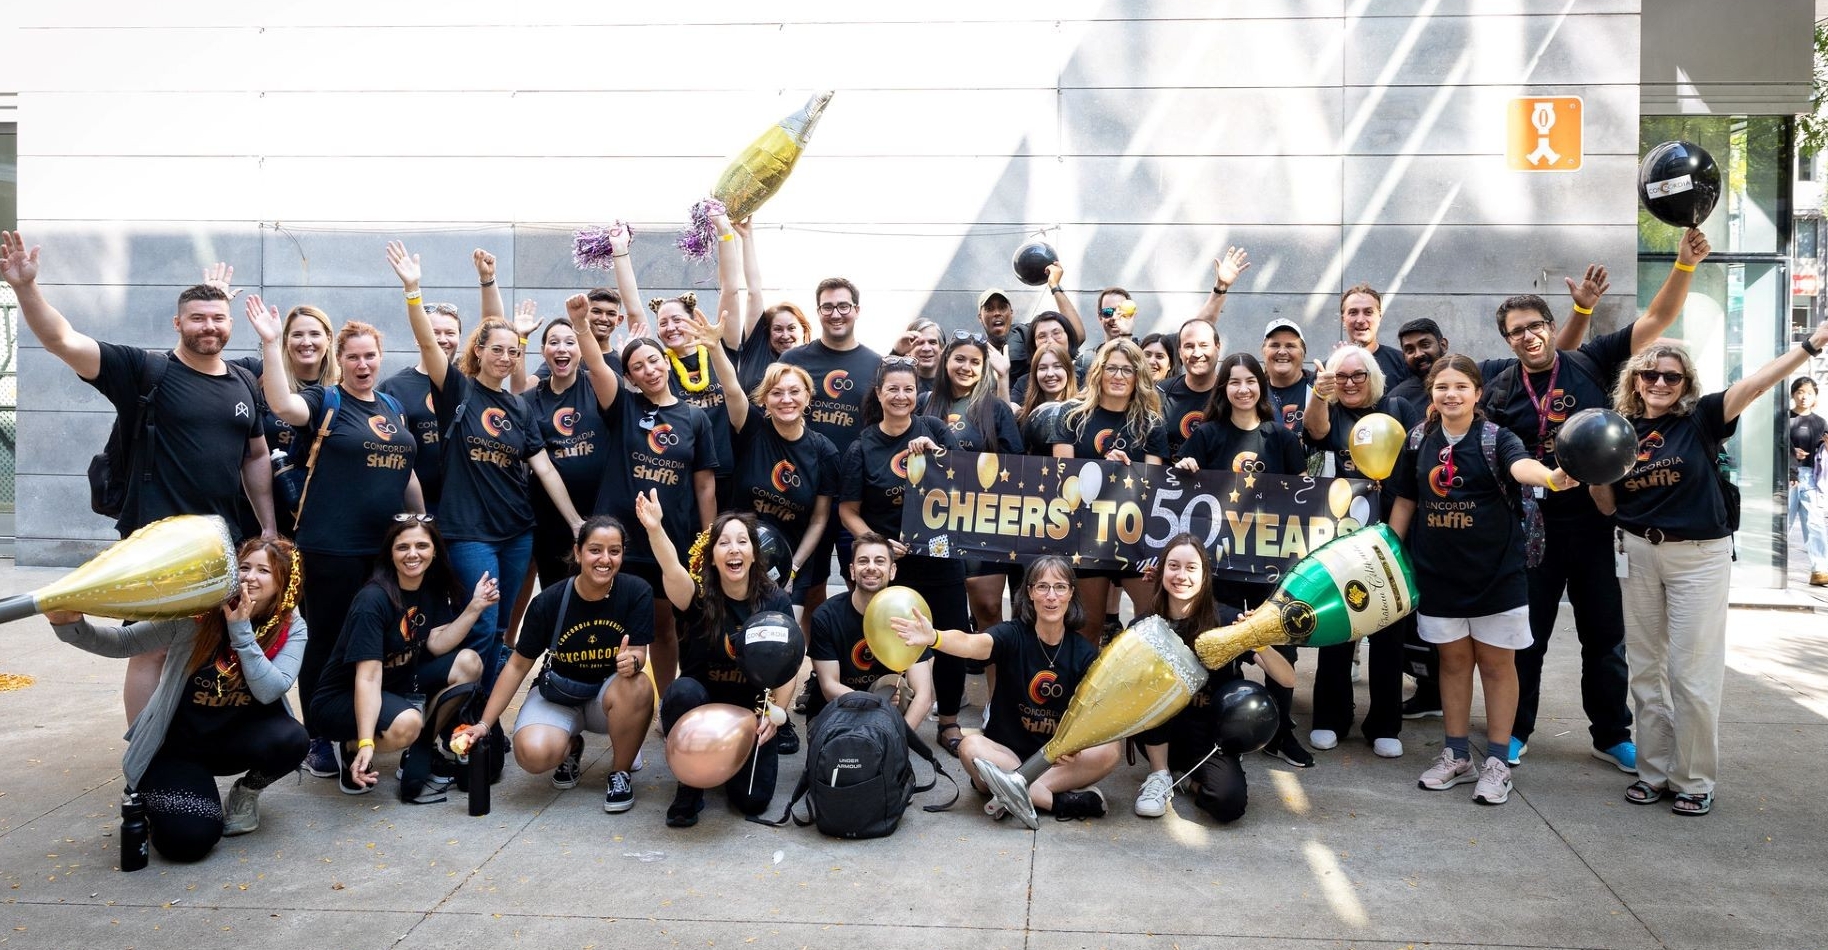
898	361
1107	311
1650	377
966	336
406	516
449	310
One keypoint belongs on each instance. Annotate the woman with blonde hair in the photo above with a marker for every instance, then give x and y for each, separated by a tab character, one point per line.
1117	418
1676	539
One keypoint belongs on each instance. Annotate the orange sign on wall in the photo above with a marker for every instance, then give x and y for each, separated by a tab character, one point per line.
1544	133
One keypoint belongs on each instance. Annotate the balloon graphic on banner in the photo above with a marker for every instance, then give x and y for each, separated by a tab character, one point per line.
1339	498
1375	443
987	465
890	650
1069	491
1679	184
917	468
1091	480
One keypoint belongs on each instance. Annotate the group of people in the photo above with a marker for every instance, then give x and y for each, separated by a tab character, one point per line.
634	478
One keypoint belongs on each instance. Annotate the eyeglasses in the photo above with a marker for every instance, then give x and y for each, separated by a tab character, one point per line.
1120	372
449	310
511	352
1056	589
966	336
841	309
1533	328
1650	376
406	516
1353	378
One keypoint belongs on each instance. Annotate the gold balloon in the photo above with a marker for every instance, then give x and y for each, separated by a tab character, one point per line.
1139	681
1375	443
1069	490
887	646
759	171
917	468
174	567
1339	498
709	745
987	465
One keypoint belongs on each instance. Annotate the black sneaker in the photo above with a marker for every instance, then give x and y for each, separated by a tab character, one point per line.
1085	803
786	739
1289	749
1412	709
687	803
620	796
435	789
345	780
566	775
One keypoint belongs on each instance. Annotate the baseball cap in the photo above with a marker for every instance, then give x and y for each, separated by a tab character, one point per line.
1283	323
984	297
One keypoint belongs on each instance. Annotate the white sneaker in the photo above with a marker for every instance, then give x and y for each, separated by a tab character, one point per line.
1447	771
1494	786
1387	748
242	813
1323	739
1157	791
639	761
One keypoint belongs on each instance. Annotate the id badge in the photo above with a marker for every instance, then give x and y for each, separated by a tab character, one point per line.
1538	489
1621	565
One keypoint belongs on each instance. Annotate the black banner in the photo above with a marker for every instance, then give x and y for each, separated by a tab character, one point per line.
1014	508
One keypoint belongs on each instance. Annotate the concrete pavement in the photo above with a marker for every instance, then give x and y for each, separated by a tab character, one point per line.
1348	854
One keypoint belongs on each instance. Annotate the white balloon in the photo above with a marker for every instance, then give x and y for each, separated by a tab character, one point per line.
1360	510
1091	479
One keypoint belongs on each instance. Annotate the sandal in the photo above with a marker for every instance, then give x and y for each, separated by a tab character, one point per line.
1693	806
1643	793
951	744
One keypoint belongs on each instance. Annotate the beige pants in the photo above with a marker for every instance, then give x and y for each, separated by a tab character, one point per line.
1675	598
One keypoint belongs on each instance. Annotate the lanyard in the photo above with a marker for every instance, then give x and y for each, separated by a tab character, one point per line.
1542	403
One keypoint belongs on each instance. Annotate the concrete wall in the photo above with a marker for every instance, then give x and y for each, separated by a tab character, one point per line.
1337	141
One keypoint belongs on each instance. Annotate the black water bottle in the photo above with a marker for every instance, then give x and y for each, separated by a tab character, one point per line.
479	777
135	832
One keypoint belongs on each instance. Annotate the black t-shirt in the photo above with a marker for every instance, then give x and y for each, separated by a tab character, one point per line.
1466	540
1019	348
1038	428
1390	360
212	702
359	484
1290	402
1267	449
1103	430
1410	391
875	471
1807	433
840	380
280	435
1675	484
485	475
577	440
204	425
753	359
1007	437
585	646
711	401
414	391
1567	388
1185	409
780	480
835	633
664	448
1034	685
709	656
1338	440
375	629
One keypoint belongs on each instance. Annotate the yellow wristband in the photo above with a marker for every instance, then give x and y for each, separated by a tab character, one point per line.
1685	268
1583	311
364	743
414	297
935	638
523	340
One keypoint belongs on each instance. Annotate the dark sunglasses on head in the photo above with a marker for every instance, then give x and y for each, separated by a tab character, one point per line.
1650	377
448	310
966	336
898	361
405	516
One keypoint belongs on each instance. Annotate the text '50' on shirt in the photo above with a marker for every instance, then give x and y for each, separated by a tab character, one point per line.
485	475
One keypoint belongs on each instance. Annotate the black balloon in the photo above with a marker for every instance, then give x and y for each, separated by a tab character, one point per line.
1247	716
1679	184
1031	262
770	648
1597	446
776	553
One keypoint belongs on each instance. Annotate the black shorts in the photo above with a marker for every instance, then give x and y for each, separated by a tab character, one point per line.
975	567
333	709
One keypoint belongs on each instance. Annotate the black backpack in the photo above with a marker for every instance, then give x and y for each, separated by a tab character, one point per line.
858	777
111	470
462	705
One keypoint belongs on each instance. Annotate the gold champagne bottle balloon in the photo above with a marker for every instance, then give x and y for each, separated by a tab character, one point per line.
759	170
174	567
1348	589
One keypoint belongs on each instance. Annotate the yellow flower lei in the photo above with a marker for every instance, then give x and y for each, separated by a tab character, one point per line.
693	383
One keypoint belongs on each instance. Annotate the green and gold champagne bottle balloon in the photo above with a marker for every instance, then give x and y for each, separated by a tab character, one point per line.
1347	589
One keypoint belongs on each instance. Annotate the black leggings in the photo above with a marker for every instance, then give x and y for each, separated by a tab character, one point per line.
1223	792
941	581
332	581
179	786
1333	701
751	788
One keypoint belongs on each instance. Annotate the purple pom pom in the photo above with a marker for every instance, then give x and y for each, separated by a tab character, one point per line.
592	250
701	235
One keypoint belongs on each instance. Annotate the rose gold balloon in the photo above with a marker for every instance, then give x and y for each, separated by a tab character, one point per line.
709	745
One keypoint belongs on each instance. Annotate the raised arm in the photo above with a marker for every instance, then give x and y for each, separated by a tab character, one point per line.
406	267
541	463
1226	271
1666	306
729	277
633	316
603	380
19	268
449	637
1741	394
673	576
527	326
491	294
1316	419
736	402
1585	295
275	382
753	304
1064	301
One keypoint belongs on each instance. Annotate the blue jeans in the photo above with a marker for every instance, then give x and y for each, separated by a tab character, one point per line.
1809	509
506	561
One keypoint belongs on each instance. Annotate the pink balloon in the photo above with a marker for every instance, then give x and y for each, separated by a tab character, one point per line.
709	745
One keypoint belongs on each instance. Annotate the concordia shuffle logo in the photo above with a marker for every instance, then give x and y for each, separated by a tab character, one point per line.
837	383
784	476
1190	422
1044	687
1560	404
495	421
661	436
383	428
899	464
1437	480
1110	440
861	657
1648	446
411	624
565	421
1247	463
